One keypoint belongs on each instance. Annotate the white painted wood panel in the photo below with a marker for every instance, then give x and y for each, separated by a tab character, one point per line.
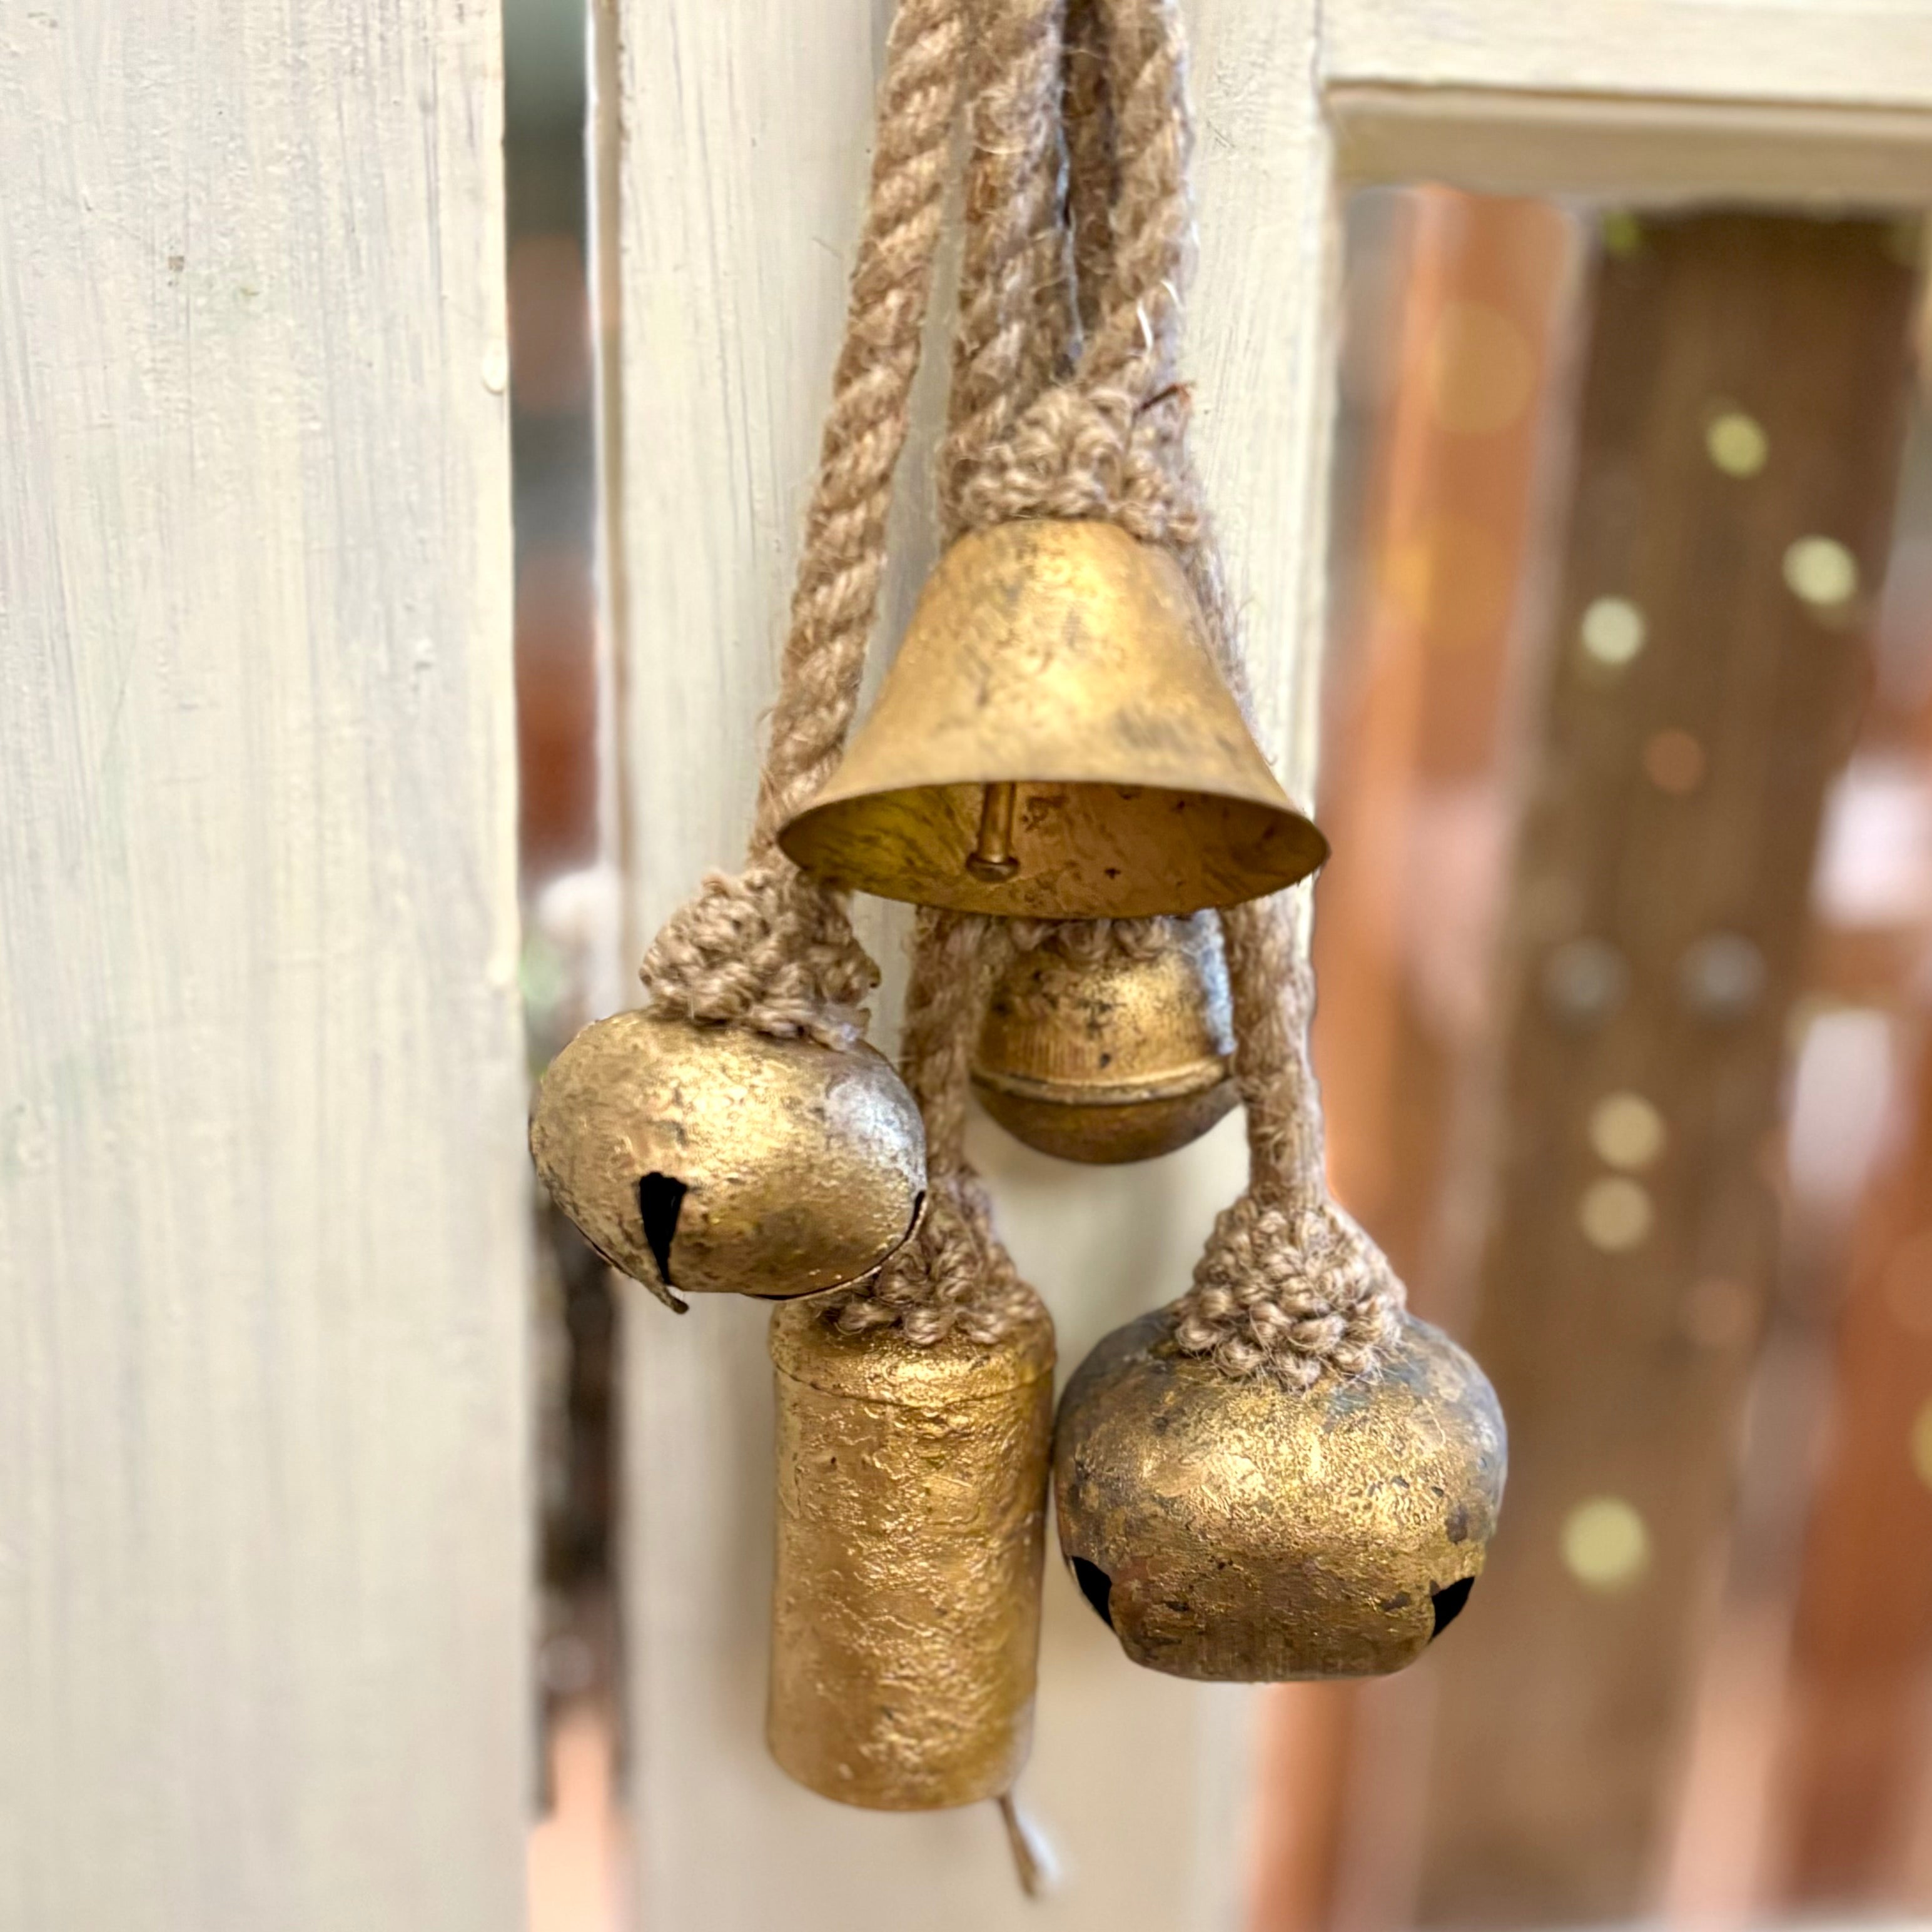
1798	102
746	132
263	1606
1851	53
1625	149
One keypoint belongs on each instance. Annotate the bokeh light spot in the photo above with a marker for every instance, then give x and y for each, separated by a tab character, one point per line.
1821	572
1673	761
1612	631
1481	370
1626	1130
1615	1215
1736	443
1605	1544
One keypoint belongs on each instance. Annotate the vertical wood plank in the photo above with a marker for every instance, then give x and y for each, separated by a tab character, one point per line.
1854	1754
1467	314
745	133
1661	907
263	1608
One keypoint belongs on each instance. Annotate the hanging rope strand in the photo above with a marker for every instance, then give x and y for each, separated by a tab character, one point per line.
1014	333
769	948
1013	310
1288	1284
842	565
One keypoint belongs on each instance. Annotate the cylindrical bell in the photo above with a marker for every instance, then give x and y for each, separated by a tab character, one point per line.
911	1526
1053	741
1246	1530
1120	1057
714	1159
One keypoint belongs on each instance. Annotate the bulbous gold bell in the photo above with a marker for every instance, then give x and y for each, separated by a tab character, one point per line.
911	1534
1245	1530
1120	1056
1053	741
715	1159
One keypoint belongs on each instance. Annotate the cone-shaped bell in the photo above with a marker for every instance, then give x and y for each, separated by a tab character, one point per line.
1250	1532
1054	741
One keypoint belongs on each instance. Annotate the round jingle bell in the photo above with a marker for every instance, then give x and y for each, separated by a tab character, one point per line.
1053	741
716	1160
911	1532
1245	1530
1121	1056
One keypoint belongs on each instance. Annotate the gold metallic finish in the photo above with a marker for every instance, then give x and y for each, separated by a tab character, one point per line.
715	1159
911	1526
1066	660
1116	1059
1243	1530
991	860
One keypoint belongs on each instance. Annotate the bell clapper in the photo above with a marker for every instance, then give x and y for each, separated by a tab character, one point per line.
991	860
1034	1863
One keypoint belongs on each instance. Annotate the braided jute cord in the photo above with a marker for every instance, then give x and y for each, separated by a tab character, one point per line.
1011	340
952	1276
1288	1284
1045	331
770	948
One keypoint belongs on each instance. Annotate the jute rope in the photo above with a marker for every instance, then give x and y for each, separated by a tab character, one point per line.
1288	1284
1011	339
1054	361
770	948
1067	403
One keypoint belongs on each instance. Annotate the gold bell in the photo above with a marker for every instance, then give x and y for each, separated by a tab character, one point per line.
1053	741
716	1160
911	1531
1120	1054
1246	1531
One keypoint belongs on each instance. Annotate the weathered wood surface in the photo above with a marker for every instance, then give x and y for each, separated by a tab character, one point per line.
745	134
1655	100
1854	53
263	1605
1656	939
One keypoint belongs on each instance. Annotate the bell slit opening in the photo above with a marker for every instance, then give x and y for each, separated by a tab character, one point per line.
1448	1602
660	1199
1097	1587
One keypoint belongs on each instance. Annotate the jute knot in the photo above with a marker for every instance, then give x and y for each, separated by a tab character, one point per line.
951	1277
1088	941
1097	453
1289	1289
767	948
